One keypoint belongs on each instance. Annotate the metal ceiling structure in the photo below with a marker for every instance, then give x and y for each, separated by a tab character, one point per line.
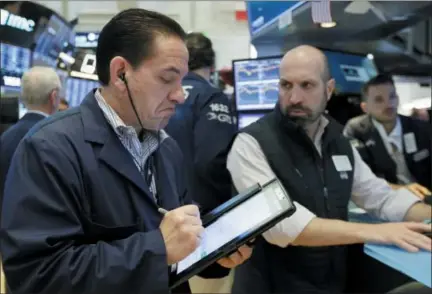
398	33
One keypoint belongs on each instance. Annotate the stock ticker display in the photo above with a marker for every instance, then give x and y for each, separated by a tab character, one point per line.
52	37
256	83
14	62
77	89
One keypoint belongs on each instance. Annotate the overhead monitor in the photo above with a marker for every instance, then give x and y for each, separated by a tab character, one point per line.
246	118
256	83
77	89
52	38
14	62
32	25
350	71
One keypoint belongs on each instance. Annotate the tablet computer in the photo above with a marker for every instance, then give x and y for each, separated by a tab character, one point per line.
233	224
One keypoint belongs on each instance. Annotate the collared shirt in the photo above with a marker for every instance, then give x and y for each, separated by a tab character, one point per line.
394	145
248	165
140	151
395	136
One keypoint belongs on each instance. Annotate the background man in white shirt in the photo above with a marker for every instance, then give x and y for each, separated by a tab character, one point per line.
318	167
396	148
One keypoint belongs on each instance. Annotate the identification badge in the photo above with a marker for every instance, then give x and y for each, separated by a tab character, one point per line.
410	143
342	163
421	155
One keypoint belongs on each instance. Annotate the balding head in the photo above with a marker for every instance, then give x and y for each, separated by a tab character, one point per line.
305	84
307	56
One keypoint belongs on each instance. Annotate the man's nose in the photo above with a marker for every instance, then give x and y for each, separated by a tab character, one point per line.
178	95
295	96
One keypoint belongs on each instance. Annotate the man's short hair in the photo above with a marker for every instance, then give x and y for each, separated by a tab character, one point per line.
37	85
131	34
380	79
201	53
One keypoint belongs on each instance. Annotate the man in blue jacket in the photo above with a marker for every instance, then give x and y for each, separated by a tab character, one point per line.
84	195
203	127
40	95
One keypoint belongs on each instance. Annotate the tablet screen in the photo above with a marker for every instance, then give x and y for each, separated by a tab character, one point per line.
251	214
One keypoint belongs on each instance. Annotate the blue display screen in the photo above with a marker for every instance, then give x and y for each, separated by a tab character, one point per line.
350	71
77	89
256	83
14	62
53	37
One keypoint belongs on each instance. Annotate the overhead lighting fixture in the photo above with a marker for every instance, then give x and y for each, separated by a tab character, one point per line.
370	56
327	25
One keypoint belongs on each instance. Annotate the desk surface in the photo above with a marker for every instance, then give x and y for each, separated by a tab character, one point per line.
415	265
418	265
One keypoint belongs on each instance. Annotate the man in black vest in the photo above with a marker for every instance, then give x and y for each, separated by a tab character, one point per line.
318	167
397	148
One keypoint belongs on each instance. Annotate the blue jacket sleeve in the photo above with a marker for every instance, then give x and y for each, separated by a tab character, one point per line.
213	131
41	223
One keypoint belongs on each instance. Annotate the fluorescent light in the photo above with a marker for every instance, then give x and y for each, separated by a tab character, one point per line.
327	25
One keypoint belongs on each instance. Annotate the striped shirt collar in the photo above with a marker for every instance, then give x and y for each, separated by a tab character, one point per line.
118	124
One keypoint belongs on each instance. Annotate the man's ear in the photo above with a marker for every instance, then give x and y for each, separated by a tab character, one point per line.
331	85
54	100
363	107
117	70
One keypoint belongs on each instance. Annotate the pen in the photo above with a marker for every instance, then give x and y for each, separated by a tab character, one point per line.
162	211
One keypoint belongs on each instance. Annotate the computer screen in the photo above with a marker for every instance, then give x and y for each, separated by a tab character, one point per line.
245	119
350	71
256	83
77	89
52	38
14	62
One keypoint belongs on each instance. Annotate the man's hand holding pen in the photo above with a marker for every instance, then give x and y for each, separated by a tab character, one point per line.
182	230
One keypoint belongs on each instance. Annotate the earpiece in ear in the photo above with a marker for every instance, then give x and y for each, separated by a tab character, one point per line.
122	77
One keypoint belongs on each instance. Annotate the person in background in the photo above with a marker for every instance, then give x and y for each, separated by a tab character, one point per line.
320	170
203	128
420	114
396	148
40	88
96	201
205	113
63	105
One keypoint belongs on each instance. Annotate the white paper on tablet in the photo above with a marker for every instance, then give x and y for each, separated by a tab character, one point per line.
249	215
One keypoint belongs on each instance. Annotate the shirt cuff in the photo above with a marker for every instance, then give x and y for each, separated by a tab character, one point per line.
286	231
397	206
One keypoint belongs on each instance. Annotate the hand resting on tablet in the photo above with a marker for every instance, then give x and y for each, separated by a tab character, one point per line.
241	255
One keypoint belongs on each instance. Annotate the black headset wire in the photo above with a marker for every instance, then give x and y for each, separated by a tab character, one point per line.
152	158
